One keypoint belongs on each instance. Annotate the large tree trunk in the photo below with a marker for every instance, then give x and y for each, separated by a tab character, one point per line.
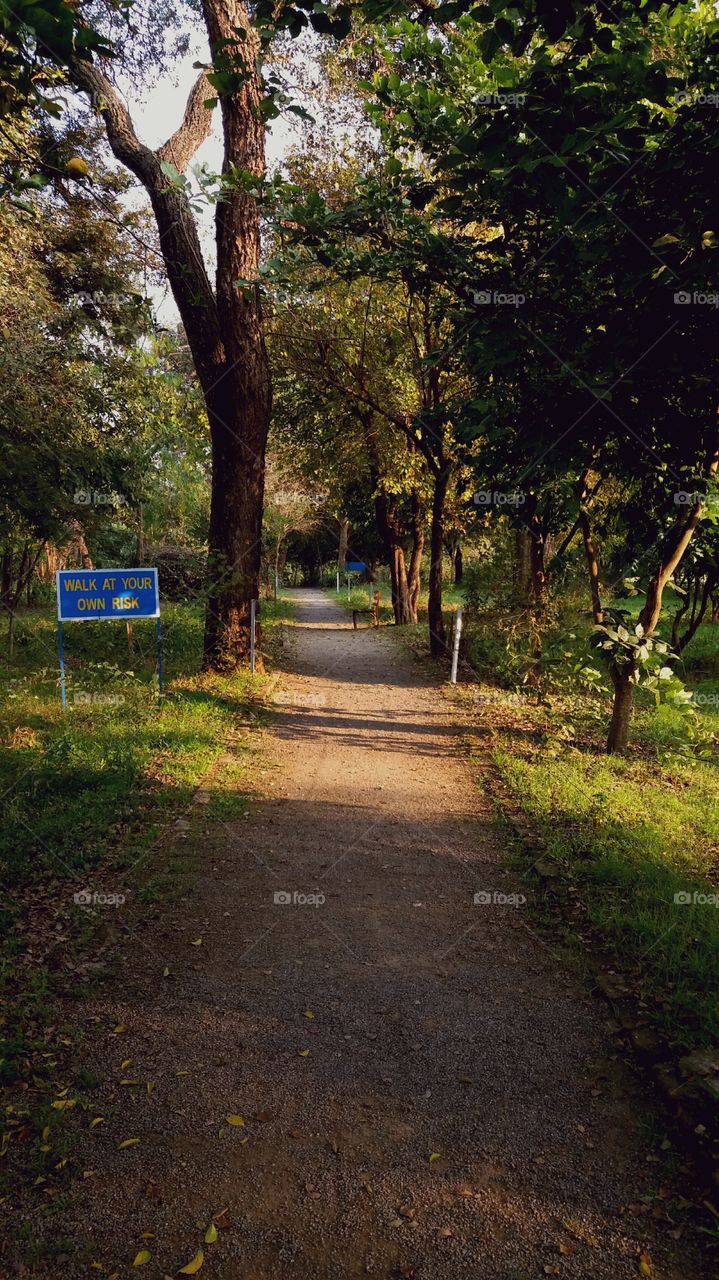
618	736
224	328
672	551
415	560
590	554
437	634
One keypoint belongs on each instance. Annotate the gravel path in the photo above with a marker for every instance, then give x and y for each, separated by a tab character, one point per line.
425	1091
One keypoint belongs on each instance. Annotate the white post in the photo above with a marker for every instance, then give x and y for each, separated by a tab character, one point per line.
252	636
338	582
455	651
349	592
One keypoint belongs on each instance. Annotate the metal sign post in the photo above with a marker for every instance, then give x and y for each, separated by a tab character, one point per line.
160	682
105	595
252	636
63	690
455	651
338	582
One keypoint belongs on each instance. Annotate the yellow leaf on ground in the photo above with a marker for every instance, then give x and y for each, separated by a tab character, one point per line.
197	943
436	1155
211	1234
98	1120
309	1013
237	1121
129	1142
645	1265
166	971
304	1053
193	1267
142	1257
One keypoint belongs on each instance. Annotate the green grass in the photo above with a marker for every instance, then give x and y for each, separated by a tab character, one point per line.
85	792
630	833
630	837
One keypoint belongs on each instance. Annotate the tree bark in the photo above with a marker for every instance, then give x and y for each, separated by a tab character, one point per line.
415	560
673	549
437	634
592	568
618	736
224	327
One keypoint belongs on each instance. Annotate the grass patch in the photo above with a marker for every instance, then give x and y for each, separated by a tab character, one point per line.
85	792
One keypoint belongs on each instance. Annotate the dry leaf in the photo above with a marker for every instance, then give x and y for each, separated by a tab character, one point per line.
645	1265
236	1121
142	1257
304	1053
211	1234
436	1155
196	943
308	1013
192	1268
98	1120
129	1142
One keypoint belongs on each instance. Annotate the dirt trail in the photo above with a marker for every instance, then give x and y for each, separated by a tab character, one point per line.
439	1026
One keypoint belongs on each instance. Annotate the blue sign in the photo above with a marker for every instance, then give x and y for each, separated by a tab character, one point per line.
355	566
86	594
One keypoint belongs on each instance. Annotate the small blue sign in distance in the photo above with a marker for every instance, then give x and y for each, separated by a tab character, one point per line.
86	594
355	566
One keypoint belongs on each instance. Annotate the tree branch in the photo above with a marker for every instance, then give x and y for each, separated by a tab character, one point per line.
194	130
179	239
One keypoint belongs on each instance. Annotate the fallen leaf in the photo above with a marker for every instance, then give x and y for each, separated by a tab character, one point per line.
222	1219
304	1053
150	1086
98	1120
192	1268
436	1155
196	943
129	1142
211	1234
127	1063
63	1104
142	1257
118	1029
645	1265
308	1013
236	1121
166	971
466	1080
264	1117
